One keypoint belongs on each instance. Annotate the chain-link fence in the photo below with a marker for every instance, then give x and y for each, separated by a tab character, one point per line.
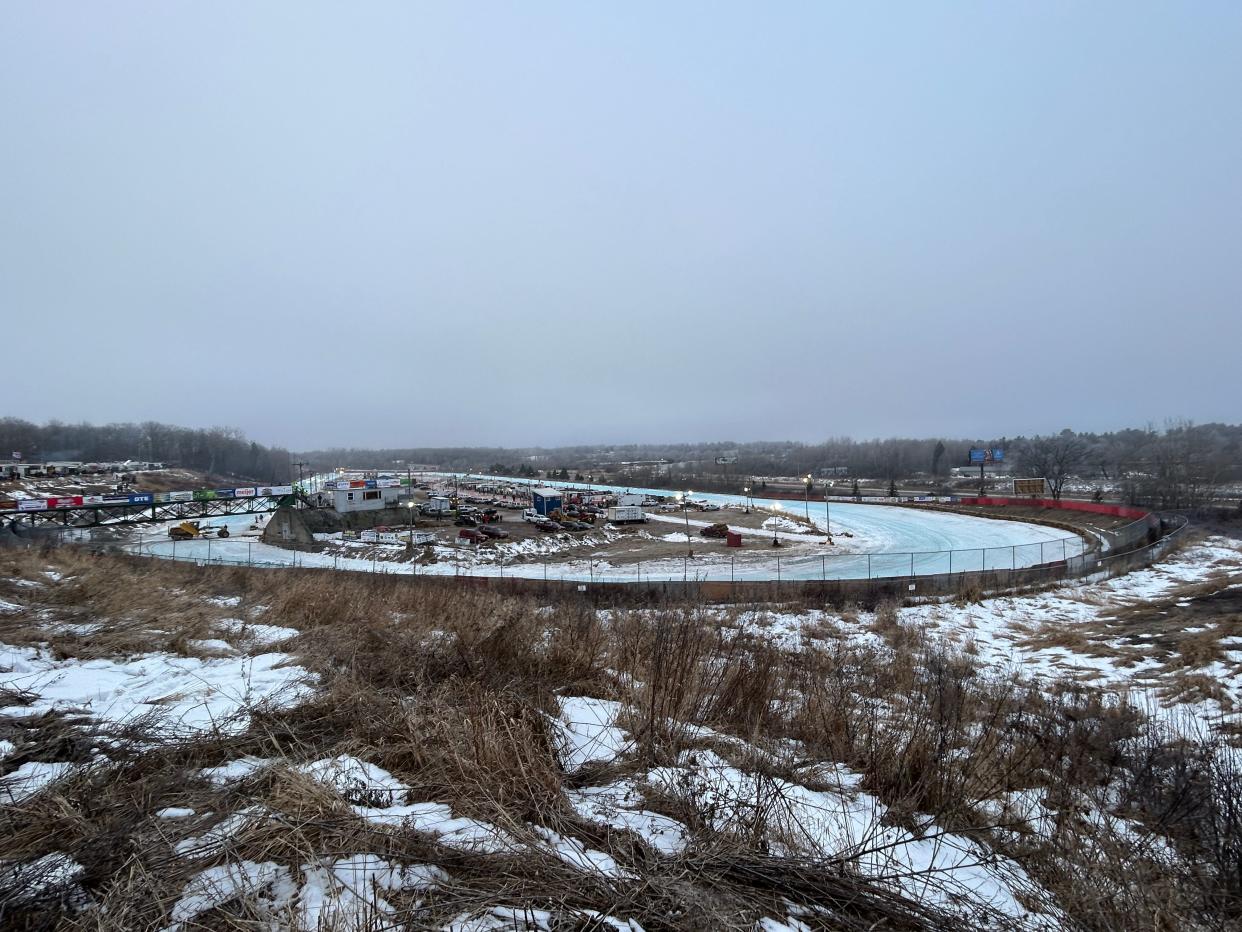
847	576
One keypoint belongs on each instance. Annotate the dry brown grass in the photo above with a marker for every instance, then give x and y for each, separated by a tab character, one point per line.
450	690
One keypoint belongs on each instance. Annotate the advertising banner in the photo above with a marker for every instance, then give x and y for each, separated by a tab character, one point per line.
243	493
31	504
980	455
65	501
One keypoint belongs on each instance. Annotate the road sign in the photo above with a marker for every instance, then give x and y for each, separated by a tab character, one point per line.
1028	486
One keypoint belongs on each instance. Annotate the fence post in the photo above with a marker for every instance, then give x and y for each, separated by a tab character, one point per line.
868	564
823	569
912	564
778	568
950	562
1063	556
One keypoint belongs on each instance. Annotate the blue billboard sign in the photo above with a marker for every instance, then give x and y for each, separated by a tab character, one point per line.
981	455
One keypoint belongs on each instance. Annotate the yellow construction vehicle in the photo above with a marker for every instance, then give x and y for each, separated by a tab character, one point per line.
192	530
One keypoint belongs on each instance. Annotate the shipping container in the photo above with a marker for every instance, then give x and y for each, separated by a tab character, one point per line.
623	514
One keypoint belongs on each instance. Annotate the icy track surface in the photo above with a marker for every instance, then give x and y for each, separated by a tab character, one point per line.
906	542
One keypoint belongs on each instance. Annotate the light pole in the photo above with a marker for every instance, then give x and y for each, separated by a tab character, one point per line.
806	496
827	511
685	513
746	498
410	506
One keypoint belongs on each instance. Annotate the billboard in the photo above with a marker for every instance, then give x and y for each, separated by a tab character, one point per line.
726	460
1028	486
981	455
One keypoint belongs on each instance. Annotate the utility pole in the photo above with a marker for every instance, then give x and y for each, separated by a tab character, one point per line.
299	464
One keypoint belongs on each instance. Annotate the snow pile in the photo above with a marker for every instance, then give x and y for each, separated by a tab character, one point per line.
620	806
345	893
941	869
29	779
587	732
786	525
357	781
179	696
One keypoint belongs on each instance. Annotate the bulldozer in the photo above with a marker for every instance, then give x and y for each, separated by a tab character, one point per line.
193	530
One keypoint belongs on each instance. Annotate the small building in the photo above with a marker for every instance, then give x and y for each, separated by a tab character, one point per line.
346	500
545	500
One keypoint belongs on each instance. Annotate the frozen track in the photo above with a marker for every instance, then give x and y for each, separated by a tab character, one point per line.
900	541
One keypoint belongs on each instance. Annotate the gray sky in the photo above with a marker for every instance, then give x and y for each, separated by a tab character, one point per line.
542	223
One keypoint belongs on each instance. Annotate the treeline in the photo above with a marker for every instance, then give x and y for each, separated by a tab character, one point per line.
1179	464
219	450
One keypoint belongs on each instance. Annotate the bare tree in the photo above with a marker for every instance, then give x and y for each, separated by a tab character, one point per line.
1055	458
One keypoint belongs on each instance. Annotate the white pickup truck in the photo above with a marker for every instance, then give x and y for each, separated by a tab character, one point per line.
531	515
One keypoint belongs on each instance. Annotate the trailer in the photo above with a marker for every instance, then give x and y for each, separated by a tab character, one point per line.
436	506
626	514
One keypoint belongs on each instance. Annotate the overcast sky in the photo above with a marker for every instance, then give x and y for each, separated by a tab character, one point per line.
544	223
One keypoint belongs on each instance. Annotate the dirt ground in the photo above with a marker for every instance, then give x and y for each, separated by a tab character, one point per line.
634	543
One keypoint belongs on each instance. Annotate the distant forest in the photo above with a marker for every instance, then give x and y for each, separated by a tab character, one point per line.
1178	464
218	450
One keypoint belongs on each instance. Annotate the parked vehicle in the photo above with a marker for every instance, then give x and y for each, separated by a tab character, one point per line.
466	521
546	525
533	516
490	515
492	531
189	530
471	535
